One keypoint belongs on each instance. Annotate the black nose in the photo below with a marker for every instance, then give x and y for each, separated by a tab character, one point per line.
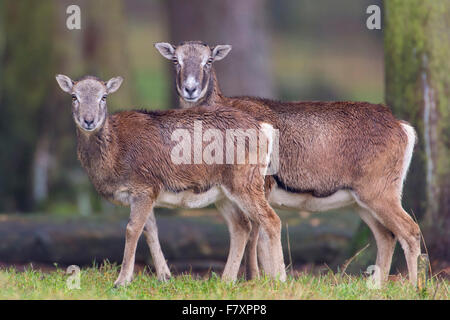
190	91
88	122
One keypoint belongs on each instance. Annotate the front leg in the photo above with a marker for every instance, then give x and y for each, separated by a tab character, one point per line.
140	210
151	234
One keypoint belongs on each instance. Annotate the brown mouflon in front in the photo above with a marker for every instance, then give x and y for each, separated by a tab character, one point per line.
128	157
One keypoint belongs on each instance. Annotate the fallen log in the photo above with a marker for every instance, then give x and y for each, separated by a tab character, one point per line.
185	241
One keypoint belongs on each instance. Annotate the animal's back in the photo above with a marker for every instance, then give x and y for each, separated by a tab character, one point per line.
327	146
147	143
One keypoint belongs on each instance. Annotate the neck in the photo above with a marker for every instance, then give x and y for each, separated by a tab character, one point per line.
94	147
212	96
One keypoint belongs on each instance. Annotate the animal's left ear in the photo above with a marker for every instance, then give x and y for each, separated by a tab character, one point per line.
220	51
113	84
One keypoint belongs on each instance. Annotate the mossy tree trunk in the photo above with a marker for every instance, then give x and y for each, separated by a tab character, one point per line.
417	55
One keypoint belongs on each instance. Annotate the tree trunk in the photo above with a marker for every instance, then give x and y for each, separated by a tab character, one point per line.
103	54
27	76
246	71
417	55
33	121
103	46
41	164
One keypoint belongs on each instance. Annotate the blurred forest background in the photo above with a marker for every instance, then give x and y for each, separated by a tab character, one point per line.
288	50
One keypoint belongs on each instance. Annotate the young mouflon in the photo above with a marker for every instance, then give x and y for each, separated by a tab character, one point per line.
128	158
331	154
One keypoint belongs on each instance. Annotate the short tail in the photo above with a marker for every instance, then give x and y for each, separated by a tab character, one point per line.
412	138
265	155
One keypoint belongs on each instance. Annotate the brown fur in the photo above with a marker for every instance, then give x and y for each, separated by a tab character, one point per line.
131	146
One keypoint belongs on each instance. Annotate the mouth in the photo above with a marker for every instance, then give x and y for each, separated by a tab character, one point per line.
190	99
89	128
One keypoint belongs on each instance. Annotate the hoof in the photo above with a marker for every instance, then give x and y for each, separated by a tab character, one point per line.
120	283
164	277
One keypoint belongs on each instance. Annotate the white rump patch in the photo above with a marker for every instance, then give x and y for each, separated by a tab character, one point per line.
266	145
411	134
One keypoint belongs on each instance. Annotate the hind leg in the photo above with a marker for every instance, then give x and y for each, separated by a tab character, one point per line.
255	205
252	269
387	209
263	251
271	225
263	254
239	228
151	235
385	241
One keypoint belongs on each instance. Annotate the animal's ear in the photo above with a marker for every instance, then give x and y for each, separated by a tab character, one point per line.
220	51
166	49
113	84
65	83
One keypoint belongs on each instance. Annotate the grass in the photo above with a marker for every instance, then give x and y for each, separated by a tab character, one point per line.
97	283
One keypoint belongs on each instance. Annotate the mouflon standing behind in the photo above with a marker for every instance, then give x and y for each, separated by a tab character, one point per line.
331	154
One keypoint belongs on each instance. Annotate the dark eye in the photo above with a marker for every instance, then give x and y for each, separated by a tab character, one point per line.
175	61
104	98
209	62
74	98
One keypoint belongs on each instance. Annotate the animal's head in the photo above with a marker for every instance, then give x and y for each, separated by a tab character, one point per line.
89	99
193	63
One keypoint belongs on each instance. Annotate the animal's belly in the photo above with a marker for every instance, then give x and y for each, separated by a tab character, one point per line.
282	199
189	199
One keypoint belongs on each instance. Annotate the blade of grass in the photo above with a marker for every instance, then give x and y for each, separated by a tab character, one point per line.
348	261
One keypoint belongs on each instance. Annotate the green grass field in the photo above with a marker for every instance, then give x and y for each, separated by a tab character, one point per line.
97	283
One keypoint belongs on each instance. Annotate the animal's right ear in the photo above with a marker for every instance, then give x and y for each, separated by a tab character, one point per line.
65	83
166	49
